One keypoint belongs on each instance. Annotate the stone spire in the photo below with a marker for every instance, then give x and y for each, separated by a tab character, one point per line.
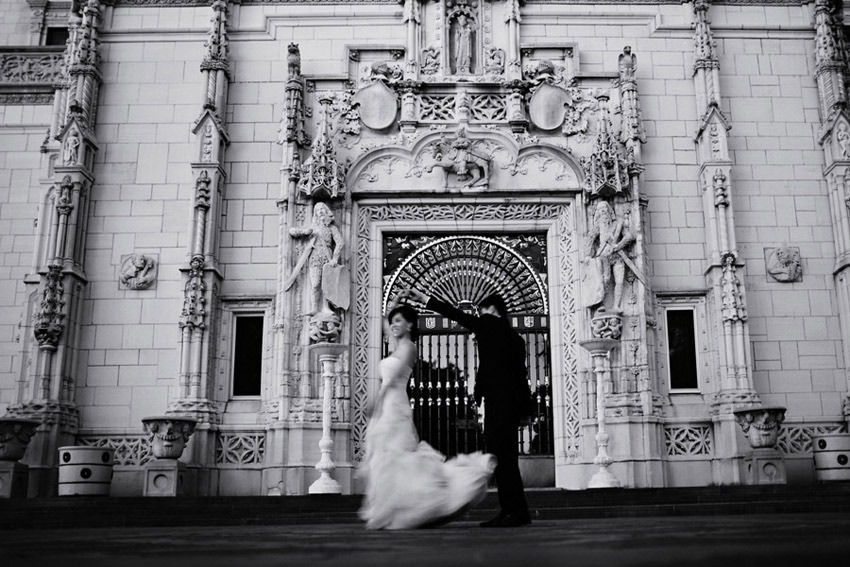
322	176
214	66
605	170
632	133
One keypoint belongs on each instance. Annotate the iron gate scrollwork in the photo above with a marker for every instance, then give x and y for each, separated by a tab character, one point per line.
464	270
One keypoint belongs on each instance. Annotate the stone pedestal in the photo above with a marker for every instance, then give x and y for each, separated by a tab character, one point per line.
765	466
165	477
13	479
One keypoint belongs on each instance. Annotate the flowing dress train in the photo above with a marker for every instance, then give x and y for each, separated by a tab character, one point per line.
408	483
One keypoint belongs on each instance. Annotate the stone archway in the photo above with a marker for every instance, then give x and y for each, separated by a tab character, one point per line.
557	219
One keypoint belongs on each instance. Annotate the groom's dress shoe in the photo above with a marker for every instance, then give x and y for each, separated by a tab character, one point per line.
492	523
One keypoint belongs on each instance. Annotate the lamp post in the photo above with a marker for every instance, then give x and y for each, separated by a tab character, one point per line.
325	484
599	351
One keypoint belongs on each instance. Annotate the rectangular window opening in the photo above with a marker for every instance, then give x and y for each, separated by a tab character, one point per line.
56	36
248	355
682	350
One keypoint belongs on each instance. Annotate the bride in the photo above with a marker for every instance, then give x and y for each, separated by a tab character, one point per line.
408	483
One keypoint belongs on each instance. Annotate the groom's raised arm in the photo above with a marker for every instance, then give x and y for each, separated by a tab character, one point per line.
471	322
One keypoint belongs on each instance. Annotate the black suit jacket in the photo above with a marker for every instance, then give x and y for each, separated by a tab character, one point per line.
501	374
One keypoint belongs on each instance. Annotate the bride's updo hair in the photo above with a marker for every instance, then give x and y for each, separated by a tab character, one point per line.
410	315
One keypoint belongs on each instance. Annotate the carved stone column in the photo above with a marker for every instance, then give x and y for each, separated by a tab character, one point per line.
599	350
202	274
513	19
412	16
47	394
726	299
834	136
327	355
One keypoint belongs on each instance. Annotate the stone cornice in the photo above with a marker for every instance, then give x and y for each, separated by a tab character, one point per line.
202	3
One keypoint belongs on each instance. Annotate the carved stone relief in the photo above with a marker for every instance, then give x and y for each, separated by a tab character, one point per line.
138	271
784	264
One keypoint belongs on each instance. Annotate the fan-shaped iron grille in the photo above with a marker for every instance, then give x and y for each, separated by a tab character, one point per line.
463	270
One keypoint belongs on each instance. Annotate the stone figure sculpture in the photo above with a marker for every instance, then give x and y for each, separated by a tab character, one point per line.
842	135
605	258
463	45
457	156
323	249
495	63
430	60
71	153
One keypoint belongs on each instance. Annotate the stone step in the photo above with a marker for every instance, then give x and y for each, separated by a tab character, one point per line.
546	504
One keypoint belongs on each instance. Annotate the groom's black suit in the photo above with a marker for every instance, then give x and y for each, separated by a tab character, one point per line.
501	380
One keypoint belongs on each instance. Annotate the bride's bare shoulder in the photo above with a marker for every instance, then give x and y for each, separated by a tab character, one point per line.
406	353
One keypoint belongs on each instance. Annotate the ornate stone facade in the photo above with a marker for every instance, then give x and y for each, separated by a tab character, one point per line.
210	169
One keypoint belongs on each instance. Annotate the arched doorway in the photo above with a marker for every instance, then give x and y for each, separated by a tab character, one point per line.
463	269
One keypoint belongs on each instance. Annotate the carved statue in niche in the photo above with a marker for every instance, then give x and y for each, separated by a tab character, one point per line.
605	256
138	271
71	151
457	156
463	42
842	136
430	60
321	255
783	264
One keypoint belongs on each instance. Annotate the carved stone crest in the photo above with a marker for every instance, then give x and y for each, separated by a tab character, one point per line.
378	105
548	106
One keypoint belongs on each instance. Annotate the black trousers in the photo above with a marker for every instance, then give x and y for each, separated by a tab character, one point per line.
500	439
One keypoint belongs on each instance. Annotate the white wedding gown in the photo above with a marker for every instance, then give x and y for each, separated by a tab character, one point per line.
408	483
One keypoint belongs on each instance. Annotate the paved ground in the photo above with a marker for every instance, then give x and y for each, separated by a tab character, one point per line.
808	540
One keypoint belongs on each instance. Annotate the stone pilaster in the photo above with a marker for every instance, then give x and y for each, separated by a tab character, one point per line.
202	275
58	264
726	300
834	137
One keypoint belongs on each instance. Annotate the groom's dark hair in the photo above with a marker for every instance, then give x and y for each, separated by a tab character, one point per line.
410	315
495	300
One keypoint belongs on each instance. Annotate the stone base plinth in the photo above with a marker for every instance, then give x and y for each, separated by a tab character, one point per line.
14	477
165	477
765	466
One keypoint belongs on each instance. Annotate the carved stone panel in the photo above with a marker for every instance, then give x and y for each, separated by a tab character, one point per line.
783	264
138	271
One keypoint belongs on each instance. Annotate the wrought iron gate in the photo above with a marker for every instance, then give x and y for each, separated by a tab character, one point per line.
464	269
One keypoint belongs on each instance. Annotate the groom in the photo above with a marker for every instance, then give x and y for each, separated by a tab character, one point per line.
501	381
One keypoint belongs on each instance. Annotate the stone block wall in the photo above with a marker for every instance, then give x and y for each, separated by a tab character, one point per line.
142	196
